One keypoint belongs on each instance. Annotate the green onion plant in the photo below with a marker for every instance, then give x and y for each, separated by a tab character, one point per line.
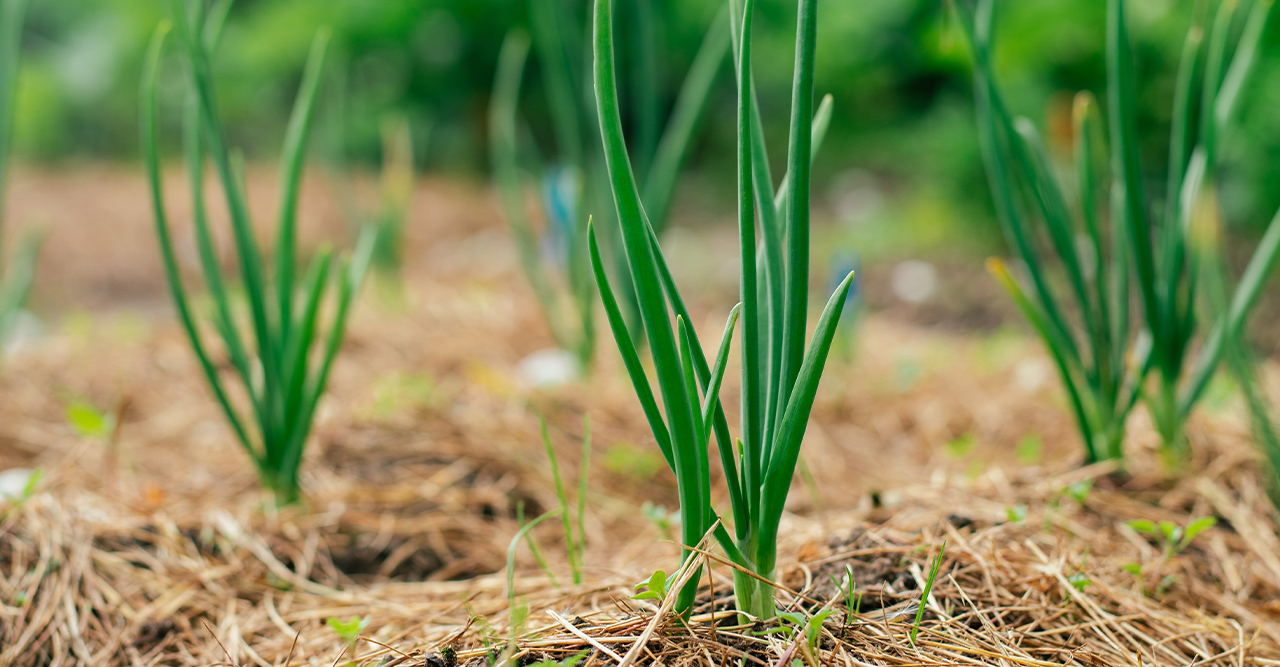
1079	294
780	375
15	280
282	363
576	186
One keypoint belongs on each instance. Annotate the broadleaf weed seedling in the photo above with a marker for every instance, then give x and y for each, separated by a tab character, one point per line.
284	365
780	373
90	422
1173	539
15	281
808	625
577	186
567	662
1104	368
655	588
349	632
663	519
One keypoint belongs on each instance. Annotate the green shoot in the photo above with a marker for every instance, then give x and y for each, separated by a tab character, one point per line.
1079	581
810	626
567	662
576	186
533	546
349	632
662	518
1079	491
780	374
516	608
19	497
1029	450
15	281
1173	539
284	363
575	535
928	589
654	589
511	554
852	596
1101	365
89	422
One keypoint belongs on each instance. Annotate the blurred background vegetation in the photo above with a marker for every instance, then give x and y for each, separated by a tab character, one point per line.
901	157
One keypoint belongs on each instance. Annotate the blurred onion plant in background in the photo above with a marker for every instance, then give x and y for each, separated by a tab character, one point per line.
16	268
574	185
1108	242
284	367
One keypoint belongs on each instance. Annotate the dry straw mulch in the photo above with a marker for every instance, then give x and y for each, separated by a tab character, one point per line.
1049	589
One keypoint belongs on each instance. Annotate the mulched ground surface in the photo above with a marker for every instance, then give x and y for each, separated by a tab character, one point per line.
152	546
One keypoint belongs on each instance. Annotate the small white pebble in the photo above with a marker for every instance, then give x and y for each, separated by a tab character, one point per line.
551	367
14	481
914	281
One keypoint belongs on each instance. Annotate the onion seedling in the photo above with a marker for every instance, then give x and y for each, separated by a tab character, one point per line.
15	281
283	366
779	375
1102	366
555	262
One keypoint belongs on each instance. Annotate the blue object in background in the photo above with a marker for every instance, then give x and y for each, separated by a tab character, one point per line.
842	262
561	192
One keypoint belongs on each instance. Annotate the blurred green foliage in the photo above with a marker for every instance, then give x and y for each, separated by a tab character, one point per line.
898	70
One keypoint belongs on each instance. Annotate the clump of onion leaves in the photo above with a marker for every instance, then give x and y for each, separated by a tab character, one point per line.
282	362
780	375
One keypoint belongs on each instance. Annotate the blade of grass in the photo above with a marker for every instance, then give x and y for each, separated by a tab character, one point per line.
566	519
584	467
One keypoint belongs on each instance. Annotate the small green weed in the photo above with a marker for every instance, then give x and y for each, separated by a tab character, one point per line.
90	422
1173	539
1030	449
635	462
655	588
349	632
